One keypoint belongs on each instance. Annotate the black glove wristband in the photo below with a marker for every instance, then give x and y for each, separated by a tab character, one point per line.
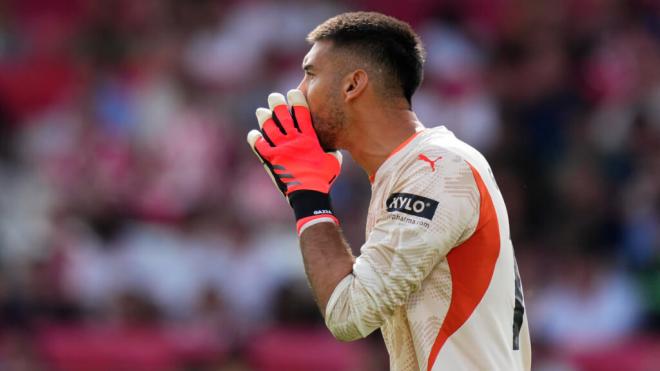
310	203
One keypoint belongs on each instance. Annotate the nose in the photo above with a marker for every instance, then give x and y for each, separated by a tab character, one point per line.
303	87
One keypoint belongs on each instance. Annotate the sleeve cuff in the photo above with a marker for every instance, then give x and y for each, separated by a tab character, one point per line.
311	207
341	286
309	221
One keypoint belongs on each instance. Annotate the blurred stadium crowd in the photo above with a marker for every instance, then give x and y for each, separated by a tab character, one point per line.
137	231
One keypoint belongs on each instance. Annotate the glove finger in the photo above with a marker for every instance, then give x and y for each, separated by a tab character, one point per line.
276	99
256	140
252	138
338	156
300	109
263	114
272	133
263	148
259	145
281	113
296	97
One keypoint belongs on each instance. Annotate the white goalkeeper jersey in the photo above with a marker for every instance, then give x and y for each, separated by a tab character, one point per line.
437	273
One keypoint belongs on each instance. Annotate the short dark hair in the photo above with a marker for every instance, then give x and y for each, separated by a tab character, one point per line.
387	41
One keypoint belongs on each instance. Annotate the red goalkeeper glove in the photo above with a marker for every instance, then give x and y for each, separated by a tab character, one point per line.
290	151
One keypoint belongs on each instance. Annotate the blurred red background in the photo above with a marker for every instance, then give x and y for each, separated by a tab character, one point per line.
137	231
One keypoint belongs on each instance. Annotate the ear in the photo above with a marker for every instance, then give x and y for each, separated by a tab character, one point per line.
354	84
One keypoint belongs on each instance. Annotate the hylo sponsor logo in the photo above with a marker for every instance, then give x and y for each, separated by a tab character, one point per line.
412	204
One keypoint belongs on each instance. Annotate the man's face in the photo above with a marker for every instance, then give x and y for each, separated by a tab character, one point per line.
322	88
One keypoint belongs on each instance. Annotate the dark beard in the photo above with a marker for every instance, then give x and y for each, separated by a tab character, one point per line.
327	129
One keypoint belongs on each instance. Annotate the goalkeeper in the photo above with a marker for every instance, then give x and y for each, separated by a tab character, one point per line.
437	273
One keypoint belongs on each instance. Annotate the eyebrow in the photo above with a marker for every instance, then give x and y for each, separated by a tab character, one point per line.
308	67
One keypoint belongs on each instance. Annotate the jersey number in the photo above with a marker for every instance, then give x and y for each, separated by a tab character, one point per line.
518	309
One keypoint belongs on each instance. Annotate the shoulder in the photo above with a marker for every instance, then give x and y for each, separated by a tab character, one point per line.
430	164
434	194
435	167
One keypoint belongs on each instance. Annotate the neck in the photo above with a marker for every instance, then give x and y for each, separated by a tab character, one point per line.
372	140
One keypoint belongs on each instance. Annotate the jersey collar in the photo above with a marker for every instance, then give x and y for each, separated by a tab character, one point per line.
372	177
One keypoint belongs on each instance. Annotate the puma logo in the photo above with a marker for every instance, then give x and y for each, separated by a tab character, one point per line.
431	162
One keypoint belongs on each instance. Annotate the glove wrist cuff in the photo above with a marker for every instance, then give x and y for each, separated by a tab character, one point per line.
311	207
